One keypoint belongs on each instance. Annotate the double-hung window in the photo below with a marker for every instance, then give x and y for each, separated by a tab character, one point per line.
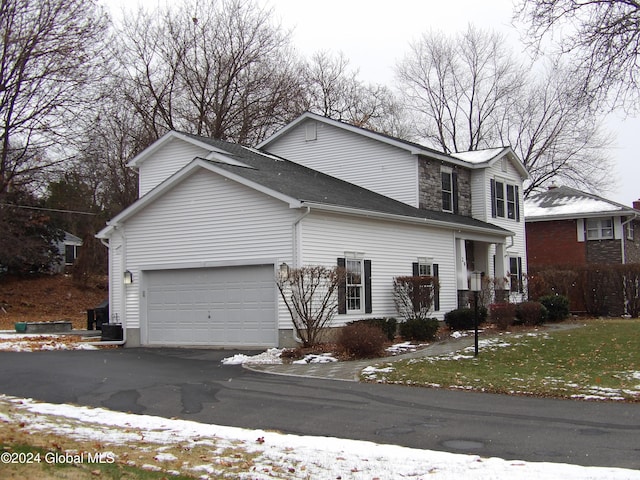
354	284
599	228
505	200
425	267
446	175
354	294
515	274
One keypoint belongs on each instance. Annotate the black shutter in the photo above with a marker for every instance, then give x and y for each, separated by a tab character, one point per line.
342	289
454	192
436	296
368	308
414	266
493	198
517	203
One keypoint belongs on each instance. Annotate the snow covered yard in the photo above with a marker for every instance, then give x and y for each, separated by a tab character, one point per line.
26	342
89	436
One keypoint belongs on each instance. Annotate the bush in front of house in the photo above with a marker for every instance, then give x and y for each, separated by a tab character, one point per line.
463	318
362	340
503	315
557	307
420	329
388	325
531	313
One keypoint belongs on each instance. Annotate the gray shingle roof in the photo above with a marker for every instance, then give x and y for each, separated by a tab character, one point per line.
310	186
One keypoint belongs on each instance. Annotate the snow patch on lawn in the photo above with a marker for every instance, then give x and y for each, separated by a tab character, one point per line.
275	454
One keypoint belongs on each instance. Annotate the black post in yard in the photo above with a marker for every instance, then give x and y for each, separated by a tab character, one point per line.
475	321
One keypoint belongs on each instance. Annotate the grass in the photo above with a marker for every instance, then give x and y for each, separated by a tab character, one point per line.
599	361
49	447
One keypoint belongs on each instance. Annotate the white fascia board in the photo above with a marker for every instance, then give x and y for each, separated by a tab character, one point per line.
178	177
401	218
155	146
577	216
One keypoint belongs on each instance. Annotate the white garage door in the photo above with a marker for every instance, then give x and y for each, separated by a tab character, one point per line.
229	306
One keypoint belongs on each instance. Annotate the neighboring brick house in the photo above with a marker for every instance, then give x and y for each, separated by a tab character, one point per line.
567	227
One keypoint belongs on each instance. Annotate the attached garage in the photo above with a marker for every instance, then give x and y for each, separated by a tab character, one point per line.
222	306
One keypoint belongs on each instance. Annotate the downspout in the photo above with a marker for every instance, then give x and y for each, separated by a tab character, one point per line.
295	251
294	254
122	261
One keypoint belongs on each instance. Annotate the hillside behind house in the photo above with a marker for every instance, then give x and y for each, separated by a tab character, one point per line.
48	298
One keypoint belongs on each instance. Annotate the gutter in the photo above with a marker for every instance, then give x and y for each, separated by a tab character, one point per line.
294	227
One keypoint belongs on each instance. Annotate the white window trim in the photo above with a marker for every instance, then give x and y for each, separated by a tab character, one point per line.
506	183
599	228
449	171
359	257
427	262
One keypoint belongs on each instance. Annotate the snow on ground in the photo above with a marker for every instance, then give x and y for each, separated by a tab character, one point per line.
276	455
25	342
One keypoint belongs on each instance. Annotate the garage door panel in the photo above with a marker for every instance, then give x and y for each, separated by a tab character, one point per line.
230	306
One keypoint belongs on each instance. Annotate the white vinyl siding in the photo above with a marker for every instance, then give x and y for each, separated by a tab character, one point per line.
354	158
392	248
481	209
206	220
165	162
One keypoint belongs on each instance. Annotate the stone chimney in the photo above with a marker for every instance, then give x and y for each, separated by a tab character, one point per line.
636	204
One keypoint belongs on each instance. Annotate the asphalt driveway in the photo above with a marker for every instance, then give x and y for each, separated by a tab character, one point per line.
192	384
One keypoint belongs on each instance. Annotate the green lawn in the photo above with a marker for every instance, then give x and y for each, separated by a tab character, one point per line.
599	361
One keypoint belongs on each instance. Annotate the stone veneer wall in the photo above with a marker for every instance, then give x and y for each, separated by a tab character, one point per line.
430	186
632	247
604	251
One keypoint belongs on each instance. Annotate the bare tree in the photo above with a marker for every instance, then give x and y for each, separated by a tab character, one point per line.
310	294
335	91
469	93
222	69
554	131
50	51
600	38
457	86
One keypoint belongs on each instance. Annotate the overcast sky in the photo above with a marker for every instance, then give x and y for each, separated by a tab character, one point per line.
375	34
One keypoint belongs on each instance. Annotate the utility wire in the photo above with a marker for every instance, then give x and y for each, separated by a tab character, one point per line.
46	209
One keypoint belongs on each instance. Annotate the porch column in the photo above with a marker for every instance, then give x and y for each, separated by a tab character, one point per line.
461	265
500	274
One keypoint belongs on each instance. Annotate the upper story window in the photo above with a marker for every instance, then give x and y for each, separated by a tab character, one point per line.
447	189
599	228
630	231
505	200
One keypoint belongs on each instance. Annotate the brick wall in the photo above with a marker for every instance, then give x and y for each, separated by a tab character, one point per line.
554	243
430	186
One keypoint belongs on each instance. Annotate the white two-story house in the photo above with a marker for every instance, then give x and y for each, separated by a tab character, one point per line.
194	260
485	185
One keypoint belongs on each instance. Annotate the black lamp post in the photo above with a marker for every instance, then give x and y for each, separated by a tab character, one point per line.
476	287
